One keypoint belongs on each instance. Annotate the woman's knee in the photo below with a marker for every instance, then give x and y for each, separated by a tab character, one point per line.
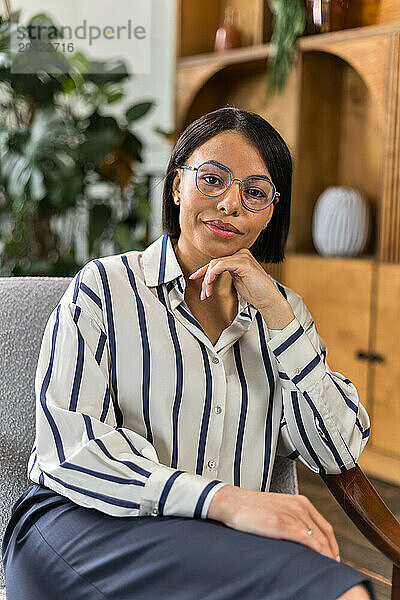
357	592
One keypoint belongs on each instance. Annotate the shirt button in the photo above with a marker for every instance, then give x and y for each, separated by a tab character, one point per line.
218	409
215	360
211	463
154	511
296	371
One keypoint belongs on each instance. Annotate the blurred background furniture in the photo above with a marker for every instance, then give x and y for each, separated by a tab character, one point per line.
27	303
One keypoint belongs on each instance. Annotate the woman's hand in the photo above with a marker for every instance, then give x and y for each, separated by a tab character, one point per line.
269	514
250	280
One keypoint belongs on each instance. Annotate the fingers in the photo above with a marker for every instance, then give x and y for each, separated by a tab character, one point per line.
207	283
315	519
210	271
199	272
319	540
206	287
214	269
295	531
326	528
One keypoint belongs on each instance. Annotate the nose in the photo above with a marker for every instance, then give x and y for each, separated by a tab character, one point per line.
231	198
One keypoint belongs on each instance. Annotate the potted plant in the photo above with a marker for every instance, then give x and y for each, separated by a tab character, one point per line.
64	154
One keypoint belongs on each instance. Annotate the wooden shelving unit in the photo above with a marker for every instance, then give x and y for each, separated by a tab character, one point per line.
340	116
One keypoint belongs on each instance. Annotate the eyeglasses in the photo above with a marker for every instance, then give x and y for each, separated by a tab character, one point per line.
257	192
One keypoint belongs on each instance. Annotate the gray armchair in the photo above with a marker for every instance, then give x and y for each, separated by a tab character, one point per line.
26	304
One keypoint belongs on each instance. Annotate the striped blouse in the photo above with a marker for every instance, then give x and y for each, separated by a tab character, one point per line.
138	413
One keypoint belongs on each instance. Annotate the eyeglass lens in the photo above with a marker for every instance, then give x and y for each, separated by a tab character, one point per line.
213	180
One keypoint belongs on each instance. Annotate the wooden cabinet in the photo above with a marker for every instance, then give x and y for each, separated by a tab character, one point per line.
356	304
340	116
342	311
385	375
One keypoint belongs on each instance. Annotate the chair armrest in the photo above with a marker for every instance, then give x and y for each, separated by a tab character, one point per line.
363	505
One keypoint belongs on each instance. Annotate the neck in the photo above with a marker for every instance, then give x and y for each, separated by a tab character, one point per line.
191	259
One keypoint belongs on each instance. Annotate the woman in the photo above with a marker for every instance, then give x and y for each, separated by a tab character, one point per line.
167	382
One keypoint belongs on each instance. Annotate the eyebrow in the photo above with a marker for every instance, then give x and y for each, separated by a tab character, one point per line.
216	162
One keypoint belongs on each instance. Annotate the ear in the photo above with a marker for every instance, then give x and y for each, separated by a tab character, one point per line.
176	183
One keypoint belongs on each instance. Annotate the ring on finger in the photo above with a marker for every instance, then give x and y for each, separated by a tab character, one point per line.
309	530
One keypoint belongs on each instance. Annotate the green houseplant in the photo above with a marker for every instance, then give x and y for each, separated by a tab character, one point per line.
62	150
289	22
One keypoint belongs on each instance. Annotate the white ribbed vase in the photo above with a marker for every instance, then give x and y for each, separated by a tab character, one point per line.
341	221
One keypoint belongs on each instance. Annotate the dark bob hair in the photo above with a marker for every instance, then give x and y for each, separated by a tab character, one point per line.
270	244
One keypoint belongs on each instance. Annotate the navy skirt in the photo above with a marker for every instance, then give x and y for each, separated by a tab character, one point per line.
54	548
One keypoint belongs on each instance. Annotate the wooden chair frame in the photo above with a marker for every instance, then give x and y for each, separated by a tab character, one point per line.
364	506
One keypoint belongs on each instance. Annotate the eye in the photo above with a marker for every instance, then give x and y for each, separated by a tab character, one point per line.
262	194
216	179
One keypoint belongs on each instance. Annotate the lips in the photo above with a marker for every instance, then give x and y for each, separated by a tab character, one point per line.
222	225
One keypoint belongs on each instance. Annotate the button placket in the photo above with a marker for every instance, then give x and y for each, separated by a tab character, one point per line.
217	424
218	407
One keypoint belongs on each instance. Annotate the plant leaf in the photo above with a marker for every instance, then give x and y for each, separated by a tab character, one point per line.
137	111
99	219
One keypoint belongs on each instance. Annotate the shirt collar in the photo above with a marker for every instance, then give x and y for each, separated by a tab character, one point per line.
160	265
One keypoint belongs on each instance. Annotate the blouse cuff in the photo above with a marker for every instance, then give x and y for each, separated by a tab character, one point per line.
171	492
297	357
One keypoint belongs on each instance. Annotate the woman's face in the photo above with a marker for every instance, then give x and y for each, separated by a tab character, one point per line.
243	159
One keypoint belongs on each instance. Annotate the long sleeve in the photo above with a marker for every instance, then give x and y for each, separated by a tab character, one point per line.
80	451
324	424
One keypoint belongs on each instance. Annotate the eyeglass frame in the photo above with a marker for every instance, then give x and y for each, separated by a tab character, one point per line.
232	179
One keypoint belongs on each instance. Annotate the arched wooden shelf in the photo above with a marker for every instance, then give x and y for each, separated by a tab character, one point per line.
367	55
338	125
194	72
372	48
